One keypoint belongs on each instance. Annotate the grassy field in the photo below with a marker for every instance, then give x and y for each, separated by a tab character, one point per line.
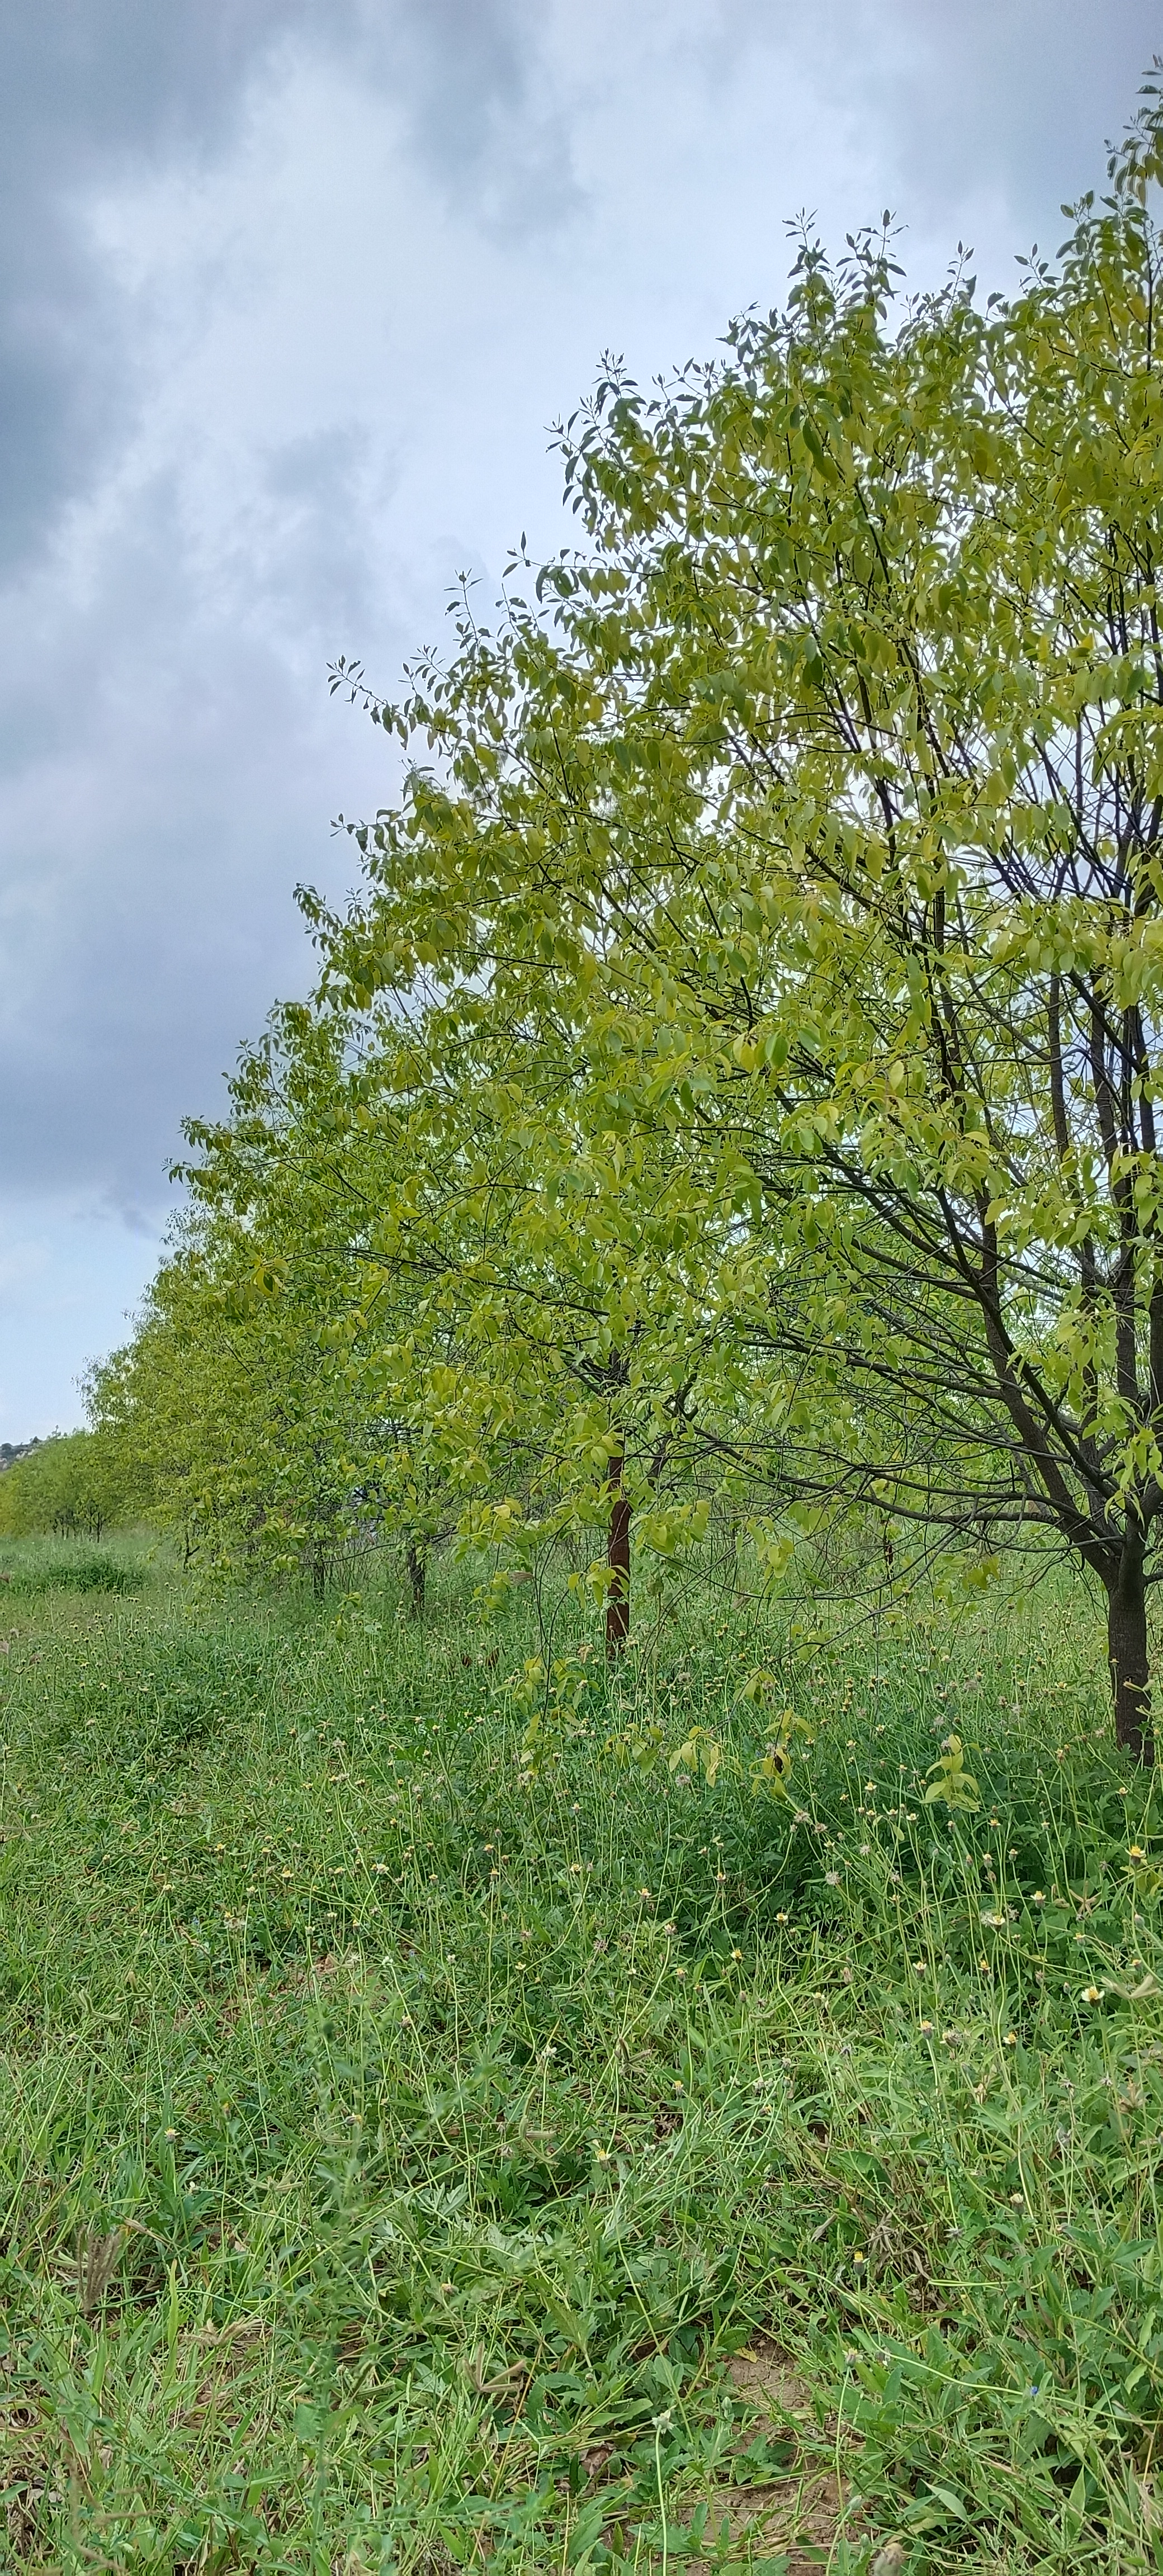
437	2134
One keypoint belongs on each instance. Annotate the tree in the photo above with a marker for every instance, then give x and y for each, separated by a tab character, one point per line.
523	1323
257	1444
249	1382
557	1295
830	778
77	1484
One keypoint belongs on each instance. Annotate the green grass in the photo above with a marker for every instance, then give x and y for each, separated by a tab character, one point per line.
29	1567
408	2111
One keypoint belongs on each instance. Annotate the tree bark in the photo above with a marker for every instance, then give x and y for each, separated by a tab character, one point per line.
1127	1652
319	1571
416	1561
618	1560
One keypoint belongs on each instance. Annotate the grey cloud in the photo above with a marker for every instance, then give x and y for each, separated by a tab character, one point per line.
978	118
124	74
309	568
168	755
84	84
1005	97
89	86
480	110
158	837
65	383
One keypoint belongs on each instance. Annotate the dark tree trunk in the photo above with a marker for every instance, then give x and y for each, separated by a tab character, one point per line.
1127	1650
618	1560
416	1560
318	1572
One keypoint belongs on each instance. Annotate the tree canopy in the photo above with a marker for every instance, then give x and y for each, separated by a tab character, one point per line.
76	1484
738	1067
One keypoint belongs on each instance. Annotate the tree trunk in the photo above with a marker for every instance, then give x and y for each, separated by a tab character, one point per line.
318	1571
618	1560
415	1558
1127	1652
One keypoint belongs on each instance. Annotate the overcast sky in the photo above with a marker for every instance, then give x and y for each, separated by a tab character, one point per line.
290	293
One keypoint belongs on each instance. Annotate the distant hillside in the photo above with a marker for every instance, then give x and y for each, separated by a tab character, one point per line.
13	1450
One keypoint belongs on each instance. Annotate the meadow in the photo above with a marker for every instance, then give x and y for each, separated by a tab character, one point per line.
440	2129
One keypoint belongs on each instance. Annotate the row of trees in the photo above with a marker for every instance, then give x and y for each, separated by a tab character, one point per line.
77	1485
737	1071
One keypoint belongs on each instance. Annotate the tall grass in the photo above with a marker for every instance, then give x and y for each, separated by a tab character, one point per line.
29	1567
415	2093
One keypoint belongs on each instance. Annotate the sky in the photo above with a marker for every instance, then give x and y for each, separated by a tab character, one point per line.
291	293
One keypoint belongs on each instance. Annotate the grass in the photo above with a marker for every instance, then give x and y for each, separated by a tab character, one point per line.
435	2133
29	1567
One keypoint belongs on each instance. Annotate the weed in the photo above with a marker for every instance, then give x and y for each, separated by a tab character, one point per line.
425	2142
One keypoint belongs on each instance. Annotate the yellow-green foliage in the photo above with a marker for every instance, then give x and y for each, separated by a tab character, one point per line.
79	1483
733	1089
782	874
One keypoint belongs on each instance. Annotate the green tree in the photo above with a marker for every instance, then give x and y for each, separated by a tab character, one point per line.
228	1392
558	1295
78	1484
248	1381
830	777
